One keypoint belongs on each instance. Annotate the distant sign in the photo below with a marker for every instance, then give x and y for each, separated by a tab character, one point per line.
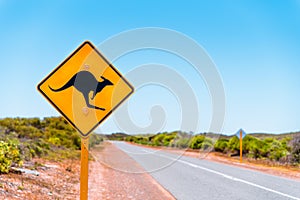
85	88
239	132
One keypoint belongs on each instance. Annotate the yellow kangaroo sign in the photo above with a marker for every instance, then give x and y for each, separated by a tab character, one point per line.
85	88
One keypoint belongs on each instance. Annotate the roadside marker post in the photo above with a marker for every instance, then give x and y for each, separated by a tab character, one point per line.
241	146
85	89
241	134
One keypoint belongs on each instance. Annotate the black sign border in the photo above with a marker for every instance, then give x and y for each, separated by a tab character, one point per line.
66	60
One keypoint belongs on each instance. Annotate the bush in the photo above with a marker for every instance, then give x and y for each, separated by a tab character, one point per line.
276	150
207	144
182	143
9	155
158	139
234	144
196	141
37	138
221	145
250	146
295	149
131	139
257	148
168	139
142	140
285	143
267	148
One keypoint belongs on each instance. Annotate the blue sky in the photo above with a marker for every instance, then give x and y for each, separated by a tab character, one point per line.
254	44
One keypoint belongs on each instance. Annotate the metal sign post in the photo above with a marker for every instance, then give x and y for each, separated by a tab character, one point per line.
84	169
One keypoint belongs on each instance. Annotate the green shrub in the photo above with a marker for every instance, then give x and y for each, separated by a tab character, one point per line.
258	148
131	139
234	144
276	150
268	148
201	142
182	142
9	155
207	144
158	139
55	141
285	143
250	146
197	141
142	140
168	139
221	145
37	137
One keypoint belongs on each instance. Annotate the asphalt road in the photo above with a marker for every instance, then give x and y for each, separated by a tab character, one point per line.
190	178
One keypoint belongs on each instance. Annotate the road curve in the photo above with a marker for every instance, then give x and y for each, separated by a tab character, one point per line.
190	178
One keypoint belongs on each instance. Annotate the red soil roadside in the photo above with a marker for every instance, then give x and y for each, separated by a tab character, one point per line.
60	179
118	180
56	180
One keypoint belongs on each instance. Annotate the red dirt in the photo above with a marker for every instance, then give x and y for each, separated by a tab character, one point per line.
60	180
118	180
57	180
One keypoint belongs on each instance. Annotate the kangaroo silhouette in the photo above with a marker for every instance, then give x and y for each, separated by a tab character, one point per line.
85	82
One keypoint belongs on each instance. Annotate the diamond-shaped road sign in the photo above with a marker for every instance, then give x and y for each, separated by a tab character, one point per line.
85	88
239	133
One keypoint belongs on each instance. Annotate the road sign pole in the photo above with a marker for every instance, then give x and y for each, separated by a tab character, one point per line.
241	146
87	71
84	169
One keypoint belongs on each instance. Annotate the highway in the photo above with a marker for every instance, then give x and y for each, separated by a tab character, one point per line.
188	178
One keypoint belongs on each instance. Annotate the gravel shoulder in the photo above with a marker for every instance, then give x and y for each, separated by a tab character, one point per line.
56	180
111	176
118	179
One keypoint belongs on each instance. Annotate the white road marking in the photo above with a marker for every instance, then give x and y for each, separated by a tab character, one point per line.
226	176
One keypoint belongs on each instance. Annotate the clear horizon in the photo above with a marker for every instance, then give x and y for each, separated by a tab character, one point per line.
255	46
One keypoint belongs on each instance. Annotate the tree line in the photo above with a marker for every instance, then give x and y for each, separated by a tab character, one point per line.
283	148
